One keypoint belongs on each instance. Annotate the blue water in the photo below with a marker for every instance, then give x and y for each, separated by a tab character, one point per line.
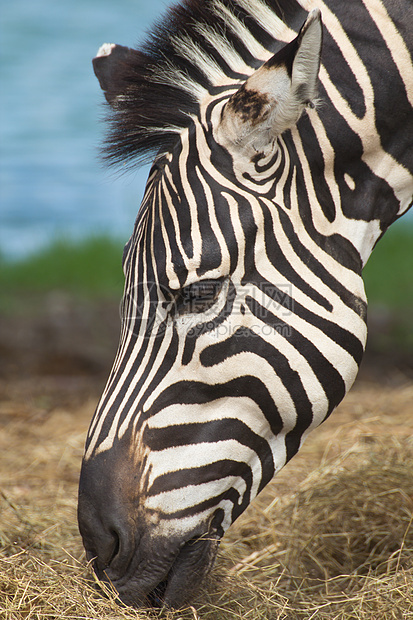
51	181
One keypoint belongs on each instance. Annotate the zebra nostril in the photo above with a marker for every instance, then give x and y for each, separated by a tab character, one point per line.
115	546
108	557
105	553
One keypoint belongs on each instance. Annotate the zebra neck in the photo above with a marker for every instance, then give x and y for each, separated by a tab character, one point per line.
359	139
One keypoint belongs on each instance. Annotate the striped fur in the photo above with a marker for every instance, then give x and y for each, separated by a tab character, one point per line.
243	318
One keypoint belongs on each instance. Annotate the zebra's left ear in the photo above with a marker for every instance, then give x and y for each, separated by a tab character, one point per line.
273	98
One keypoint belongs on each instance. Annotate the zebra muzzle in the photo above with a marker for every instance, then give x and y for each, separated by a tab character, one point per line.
193	563
162	584
144	568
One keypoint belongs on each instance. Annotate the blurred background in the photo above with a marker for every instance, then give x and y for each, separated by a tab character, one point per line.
64	218
52	184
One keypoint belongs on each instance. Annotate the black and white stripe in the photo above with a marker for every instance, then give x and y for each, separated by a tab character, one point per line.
243	318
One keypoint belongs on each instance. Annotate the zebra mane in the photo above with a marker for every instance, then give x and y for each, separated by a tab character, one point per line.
198	46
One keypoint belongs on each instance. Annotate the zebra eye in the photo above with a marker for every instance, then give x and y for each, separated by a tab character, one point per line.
199	296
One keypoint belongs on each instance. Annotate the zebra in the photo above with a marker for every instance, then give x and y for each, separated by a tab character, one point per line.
281	138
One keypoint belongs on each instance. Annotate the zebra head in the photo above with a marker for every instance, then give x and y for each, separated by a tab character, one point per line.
243	316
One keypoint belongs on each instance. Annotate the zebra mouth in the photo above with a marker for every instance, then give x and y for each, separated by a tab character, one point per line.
144	566
193	562
173	588
156	598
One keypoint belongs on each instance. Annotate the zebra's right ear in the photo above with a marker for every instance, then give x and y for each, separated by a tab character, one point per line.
273	98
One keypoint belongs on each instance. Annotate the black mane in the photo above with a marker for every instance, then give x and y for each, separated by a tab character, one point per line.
155	91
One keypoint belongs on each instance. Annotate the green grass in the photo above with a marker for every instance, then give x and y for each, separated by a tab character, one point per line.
388	274
91	268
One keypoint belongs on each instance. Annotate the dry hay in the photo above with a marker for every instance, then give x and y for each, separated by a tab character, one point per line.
338	546
341	546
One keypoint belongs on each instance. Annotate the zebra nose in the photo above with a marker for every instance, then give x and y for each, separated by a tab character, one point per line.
103	550
106	541
104	524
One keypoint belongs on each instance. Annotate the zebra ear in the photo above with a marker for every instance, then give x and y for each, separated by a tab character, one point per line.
111	67
273	98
